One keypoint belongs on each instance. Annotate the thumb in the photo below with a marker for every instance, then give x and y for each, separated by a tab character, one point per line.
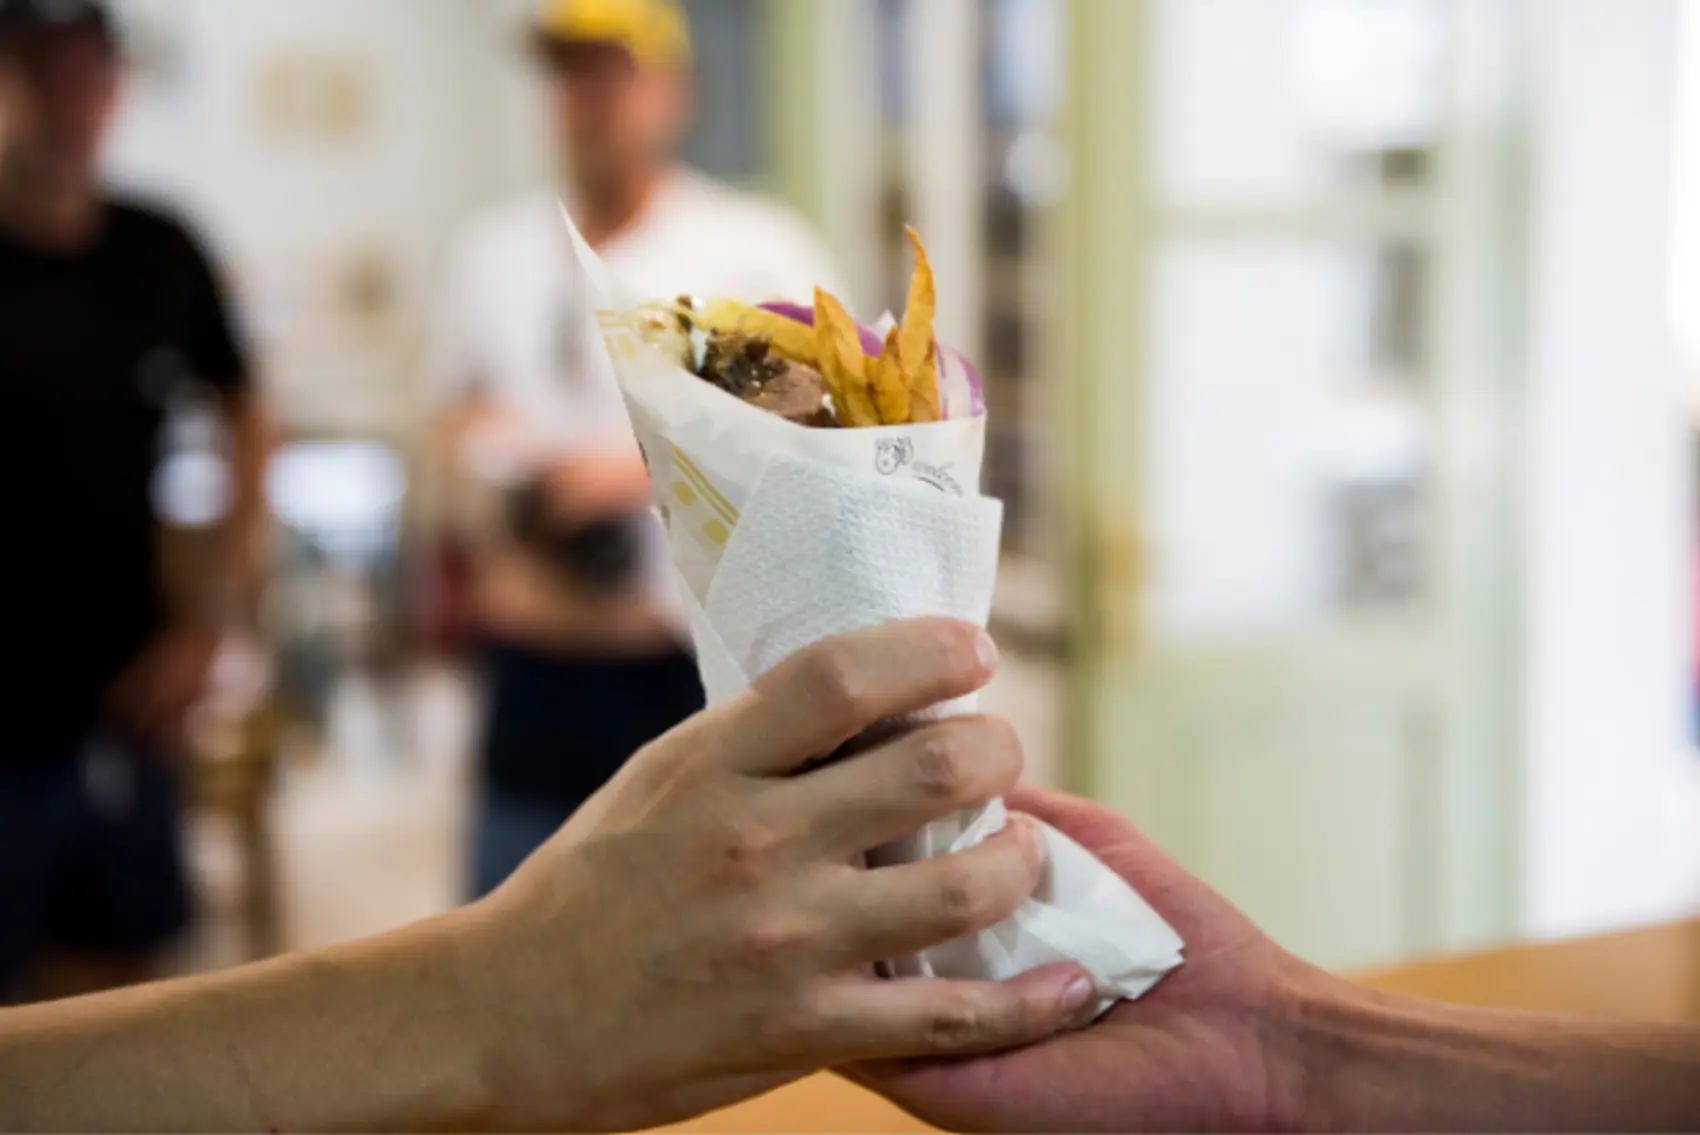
934	1017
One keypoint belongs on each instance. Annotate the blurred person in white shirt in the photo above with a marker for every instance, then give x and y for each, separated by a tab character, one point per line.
571	592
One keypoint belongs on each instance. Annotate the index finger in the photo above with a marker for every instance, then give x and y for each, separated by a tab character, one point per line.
821	697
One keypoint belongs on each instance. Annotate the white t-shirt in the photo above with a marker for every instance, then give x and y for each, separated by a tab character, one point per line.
515	326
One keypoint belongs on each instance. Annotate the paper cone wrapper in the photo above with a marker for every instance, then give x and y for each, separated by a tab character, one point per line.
784	536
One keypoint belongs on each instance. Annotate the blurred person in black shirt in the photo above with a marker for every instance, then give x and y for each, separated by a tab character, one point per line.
109	313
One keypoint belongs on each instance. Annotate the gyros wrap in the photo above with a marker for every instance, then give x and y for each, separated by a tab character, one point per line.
816	477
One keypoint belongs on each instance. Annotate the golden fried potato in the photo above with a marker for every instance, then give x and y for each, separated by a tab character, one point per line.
842	364
924	402
891	386
917	349
790	339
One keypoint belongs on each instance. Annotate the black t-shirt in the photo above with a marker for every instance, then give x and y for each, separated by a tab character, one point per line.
94	346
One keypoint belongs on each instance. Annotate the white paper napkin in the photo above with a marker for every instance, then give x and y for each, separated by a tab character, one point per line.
819	552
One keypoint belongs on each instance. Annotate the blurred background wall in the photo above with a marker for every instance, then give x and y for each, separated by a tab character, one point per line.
1333	362
1611	786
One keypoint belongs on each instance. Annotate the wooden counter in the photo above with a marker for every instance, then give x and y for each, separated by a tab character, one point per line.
822	1104
1645	975
1650	975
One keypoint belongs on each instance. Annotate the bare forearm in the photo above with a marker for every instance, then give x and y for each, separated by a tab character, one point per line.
1383	1063
377	1035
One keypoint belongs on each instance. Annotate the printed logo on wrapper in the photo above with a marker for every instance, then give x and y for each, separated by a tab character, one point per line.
895	454
939	477
892	454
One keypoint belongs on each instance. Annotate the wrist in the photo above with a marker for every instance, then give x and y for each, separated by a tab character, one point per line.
1370	1061
1325	1043
510	1005
467	958
1300	1020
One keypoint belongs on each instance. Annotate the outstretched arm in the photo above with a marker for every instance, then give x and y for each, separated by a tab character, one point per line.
697	934
381	1034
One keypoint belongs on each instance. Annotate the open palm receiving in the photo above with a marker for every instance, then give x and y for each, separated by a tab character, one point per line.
1246	1037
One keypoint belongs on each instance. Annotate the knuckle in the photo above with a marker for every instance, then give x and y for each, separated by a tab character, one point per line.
764	945
796	1027
967	761
956	1023
940	768
837	684
957	646
1017	1021
747	852
961	899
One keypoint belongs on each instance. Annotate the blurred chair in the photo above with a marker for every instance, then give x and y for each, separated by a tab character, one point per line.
235	748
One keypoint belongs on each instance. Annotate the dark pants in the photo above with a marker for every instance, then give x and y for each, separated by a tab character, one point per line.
557	730
91	857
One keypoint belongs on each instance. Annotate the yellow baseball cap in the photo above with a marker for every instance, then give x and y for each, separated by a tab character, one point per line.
653	32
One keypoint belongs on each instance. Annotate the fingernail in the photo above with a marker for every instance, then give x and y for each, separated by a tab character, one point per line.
1079	994
987	650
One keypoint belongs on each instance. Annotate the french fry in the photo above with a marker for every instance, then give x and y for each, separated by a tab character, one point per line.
924	403
891	387
916	350
842	364
790	339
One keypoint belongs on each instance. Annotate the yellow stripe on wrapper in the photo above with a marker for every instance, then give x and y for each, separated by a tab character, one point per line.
719	503
707	515
700	498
